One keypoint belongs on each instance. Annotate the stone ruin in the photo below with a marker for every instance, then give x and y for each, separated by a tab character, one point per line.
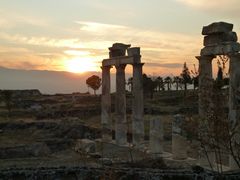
219	39
119	59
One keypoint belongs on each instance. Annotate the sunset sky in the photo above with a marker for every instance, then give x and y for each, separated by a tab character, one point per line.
74	35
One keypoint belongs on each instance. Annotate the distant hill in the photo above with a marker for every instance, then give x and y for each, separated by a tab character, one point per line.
48	82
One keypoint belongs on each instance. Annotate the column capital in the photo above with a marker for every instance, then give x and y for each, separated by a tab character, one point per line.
202	58
106	67
120	66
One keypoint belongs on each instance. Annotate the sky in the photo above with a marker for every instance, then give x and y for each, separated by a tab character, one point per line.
74	35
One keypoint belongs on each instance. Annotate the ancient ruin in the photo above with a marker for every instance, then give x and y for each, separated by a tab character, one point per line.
219	39
119	59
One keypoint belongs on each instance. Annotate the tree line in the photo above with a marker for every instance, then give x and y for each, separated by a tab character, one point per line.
181	82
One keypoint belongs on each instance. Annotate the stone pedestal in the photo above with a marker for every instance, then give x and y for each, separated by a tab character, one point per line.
179	141
205	84
137	116
234	101
120	106
106	105
156	137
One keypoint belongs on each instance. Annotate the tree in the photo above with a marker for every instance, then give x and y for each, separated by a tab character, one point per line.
130	83
148	85
186	76
168	81
159	83
94	82
195	76
7	99
177	80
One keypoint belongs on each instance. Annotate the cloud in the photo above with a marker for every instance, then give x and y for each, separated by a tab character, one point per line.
165	65
214	6
93	41
99	27
11	19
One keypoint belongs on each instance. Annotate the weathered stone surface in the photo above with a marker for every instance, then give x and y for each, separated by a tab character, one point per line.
24	151
137	106
118	49
216	39
106	120
156	136
85	145
224	48
234	104
120	106
204	84
133	51
179	141
217	27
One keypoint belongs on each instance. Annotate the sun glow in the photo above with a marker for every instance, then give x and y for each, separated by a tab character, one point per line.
81	65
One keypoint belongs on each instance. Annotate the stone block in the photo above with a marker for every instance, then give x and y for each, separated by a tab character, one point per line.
85	145
179	141
217	27
133	51
118	49
156	136
215	39
222	49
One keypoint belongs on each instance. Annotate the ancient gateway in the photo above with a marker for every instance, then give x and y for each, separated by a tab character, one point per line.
119	59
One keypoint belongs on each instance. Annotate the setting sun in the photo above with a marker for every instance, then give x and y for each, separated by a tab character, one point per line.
80	65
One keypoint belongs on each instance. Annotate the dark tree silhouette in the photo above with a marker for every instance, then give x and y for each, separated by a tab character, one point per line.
94	82
148	85
186	76
7	99
177	80
159	83
130	83
195	75
168	81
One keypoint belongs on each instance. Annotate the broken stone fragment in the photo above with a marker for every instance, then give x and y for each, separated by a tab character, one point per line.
85	145
118	49
216	39
217	27
221	49
133	51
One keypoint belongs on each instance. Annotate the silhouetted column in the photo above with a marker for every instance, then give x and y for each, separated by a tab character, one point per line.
205	83
234	101
106	105
120	102
137	116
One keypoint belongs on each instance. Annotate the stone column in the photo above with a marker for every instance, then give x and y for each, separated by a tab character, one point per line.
205	83
137	116
234	101
106	105
156	137
179	141
120	106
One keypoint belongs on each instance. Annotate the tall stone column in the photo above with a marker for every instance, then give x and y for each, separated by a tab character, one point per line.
234	101
156	137
120	106
106	105
179	140
137	116
205	83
